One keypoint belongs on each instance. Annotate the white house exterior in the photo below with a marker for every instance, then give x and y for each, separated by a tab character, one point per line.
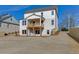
39	22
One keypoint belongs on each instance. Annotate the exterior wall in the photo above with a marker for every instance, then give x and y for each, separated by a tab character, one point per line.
22	27
47	22
8	28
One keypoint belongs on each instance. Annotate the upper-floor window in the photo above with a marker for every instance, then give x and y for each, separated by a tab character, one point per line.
11	19
52	22
52	12
24	22
42	14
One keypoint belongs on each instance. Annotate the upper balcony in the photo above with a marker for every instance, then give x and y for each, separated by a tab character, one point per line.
36	26
35	23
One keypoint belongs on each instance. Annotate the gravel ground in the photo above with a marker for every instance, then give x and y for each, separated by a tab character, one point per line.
60	44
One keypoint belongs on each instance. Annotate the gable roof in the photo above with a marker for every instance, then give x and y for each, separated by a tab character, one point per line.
52	7
4	17
35	15
8	19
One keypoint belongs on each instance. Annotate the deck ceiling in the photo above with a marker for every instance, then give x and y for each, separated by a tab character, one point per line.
36	19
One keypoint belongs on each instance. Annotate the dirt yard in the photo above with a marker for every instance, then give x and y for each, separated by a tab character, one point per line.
61	43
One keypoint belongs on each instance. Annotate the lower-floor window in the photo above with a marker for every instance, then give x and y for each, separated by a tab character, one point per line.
47	31
37	31
24	32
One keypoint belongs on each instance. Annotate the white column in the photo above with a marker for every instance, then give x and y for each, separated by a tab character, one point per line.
56	24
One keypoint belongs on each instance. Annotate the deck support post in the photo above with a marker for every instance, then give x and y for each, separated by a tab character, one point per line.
33	31
40	27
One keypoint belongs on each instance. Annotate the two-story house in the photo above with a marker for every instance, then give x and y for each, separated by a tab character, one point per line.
39	22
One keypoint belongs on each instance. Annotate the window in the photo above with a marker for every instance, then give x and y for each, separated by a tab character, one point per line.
42	14
52	22
52	12
47	31
11	19
37	31
23	31
23	22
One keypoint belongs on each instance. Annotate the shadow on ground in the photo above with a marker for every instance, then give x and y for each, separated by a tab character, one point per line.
77	40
